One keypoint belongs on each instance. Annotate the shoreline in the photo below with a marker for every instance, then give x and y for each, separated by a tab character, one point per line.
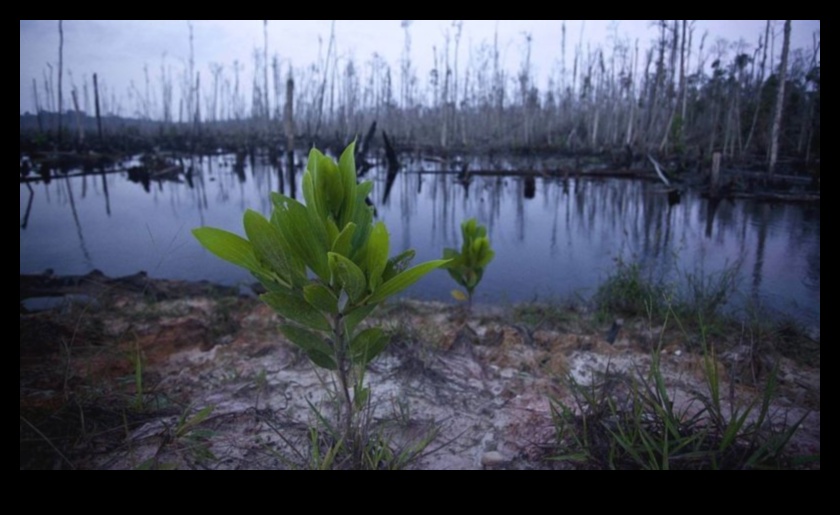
138	355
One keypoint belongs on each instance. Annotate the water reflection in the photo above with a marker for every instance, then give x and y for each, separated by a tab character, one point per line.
25	221
82	245
554	237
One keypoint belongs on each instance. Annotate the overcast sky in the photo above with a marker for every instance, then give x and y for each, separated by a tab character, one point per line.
119	50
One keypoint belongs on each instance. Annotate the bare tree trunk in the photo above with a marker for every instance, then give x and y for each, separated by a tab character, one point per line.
498	86
48	94
235	103
87	95
289	126
729	129
672	98
37	106
780	97
760	86
79	127
405	79
804	132
147	94
715	118
60	74
166	92
288	114
628	140
216	72
444	126
653	104
684	58
266	106
197	119
189	82
525	87
465	102
323	89
563	58
96	101
458	25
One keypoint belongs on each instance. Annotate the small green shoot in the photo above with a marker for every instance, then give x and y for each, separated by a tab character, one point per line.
467	267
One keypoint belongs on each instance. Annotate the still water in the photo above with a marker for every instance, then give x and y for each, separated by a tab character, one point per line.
554	239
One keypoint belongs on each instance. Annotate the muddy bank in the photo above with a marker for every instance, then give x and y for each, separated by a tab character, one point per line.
134	373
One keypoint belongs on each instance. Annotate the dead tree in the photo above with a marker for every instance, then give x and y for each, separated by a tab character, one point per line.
79	127
764	44
96	101
288	114
266	106
322	90
289	126
672	86
780	97
37	106
60	74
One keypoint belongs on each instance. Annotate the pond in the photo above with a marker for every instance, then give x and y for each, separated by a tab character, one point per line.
554	239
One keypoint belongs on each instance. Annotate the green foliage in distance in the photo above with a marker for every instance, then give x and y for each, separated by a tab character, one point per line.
467	267
326	267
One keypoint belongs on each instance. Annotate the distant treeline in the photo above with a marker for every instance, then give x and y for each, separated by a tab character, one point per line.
675	98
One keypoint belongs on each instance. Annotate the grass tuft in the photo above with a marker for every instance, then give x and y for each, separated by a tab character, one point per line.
632	420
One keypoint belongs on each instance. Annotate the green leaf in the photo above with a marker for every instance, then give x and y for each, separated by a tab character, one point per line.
271	284
481	252
377	255
315	347
309	179
471	276
316	209
186	425
361	397
294	260
363	189
229	247
347	169
459	295
354	317
458	274
403	280
454	257
367	345
332	232
321	297
363	218
468	228
277	199
329	185
348	275
486	258
397	264
342	244
305	239
296	309
268	245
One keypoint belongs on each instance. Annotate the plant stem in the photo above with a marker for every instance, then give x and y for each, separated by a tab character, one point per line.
341	351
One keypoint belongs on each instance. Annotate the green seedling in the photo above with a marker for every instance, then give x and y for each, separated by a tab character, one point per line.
467	267
326	267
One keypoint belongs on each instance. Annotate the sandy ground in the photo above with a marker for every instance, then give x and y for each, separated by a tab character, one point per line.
219	388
